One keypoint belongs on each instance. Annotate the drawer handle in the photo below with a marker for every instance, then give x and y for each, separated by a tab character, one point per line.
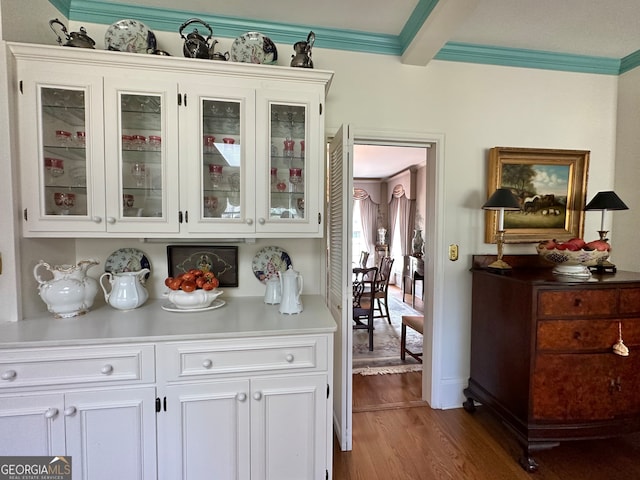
107	369
289	358
577	302
241	397
207	363
9	375
69	411
257	396
52	412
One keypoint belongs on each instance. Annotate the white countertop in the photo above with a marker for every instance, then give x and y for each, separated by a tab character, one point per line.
239	317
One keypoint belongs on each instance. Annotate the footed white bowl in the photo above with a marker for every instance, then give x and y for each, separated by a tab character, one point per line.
573	263
191	300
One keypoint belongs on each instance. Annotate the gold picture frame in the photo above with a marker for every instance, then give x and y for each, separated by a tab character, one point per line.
551	186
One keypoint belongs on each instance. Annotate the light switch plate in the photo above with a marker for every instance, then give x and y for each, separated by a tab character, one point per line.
453	252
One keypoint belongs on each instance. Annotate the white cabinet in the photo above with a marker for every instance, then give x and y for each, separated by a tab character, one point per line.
141	145
55	402
245	409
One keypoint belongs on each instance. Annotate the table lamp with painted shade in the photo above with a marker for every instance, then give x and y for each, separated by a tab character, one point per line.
604	201
502	199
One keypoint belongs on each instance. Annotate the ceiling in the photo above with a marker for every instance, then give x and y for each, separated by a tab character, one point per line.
598	36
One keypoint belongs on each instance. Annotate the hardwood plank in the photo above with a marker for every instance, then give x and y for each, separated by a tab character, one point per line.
420	443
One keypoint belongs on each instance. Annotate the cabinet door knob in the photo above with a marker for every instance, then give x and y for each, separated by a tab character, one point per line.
69	411
97	219
577	302
257	396
289	358
262	221
207	363
111	220
241	397
52	412
249	221
9	375
107	369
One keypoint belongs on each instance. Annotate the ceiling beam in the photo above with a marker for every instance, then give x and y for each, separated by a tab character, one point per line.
444	18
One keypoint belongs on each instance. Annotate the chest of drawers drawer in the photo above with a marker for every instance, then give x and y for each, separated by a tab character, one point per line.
577	303
585	335
76	365
188	360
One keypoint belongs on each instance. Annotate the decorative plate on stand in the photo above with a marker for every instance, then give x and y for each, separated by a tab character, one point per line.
269	261
127	260
253	47
129	36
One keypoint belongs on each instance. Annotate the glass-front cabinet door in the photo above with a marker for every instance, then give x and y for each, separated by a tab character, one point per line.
60	193
221	186
141	157
291	177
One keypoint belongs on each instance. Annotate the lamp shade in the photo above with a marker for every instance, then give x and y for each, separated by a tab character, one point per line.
502	199
606	201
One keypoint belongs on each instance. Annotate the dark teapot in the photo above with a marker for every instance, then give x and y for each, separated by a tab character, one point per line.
74	39
217	55
195	45
302	57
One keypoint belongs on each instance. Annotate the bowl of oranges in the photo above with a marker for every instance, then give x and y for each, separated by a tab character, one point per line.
195	289
574	256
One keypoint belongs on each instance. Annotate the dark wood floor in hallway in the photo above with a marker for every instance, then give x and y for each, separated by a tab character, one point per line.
396	437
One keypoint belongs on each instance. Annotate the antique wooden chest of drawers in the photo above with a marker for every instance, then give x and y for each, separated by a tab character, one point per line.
542	357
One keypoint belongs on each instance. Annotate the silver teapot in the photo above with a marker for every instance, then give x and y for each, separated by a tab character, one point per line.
195	45
302	57
74	39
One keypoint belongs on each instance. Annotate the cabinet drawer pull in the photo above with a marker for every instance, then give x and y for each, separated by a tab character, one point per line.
69	411
289	358
107	369
241	397
249	221
262	221
577	302
207	363
52	412
257	396
97	219
9	375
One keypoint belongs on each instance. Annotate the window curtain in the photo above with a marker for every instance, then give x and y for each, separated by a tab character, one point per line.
368	217
402	212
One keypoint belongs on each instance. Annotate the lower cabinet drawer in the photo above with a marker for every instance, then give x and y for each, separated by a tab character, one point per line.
585	335
193	359
76	365
573	303
585	387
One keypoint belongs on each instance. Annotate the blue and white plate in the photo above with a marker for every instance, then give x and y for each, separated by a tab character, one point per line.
129	36
127	260
269	261
253	47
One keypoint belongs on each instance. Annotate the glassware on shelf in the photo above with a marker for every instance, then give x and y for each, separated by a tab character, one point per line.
81	139
65	201
78	176
208	142
211	205
295	178
127	142
155	142
301	148
64	138
139	173
54	167
274	150
234	182
274	177
128	200
229	140
139	142
288	147
215	174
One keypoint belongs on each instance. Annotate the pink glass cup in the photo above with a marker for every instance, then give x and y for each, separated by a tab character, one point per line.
215	173
54	166
64	201
228	140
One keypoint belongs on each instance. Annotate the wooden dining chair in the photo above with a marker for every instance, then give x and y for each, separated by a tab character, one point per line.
364	257
363	300
381	294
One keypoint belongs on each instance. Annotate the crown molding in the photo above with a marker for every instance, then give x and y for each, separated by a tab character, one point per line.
107	12
513	57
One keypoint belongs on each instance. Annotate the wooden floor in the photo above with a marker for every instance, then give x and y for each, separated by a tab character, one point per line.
395	436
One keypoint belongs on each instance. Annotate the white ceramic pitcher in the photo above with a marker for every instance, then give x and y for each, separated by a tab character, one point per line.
291	285
127	291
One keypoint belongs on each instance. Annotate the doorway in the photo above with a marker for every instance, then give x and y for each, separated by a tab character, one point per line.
379	171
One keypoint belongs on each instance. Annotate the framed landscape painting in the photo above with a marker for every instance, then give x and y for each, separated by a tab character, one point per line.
550	186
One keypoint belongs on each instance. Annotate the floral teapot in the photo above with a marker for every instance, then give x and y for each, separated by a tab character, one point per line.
127	289
70	292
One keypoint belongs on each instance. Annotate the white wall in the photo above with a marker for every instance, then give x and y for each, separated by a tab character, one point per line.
624	232
473	107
